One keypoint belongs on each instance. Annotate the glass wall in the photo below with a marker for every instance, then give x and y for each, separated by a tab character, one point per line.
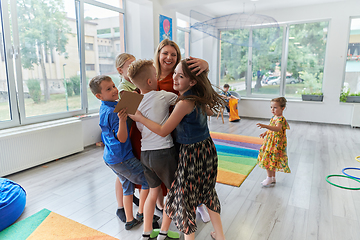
352	70
104	31
54	47
233	61
182	37
306	58
49	57
4	92
266	61
298	58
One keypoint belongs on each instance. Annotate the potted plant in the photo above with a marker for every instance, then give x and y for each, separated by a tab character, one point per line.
346	96
353	97
312	96
312	90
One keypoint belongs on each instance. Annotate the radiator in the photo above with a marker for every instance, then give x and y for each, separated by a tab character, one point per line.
32	145
355	120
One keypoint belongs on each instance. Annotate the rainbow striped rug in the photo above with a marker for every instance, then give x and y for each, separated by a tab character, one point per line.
237	156
47	225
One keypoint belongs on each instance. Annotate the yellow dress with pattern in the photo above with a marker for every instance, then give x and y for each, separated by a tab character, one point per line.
272	154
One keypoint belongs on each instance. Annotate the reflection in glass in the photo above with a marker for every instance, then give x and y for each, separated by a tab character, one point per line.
49	57
4	94
182	40
233	61
104	36
306	56
352	71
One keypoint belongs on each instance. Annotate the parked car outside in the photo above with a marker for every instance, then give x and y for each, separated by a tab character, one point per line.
269	78
289	80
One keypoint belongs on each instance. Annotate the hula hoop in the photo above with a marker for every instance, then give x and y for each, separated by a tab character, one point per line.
357	158
339	186
348	168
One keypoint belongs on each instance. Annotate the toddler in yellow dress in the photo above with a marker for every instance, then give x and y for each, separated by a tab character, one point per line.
272	154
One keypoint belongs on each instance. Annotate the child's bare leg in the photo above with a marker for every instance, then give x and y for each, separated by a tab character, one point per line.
120	212
216	222
149	208
160	200
165	225
143	196
128	199
270	173
189	237
119	193
166	221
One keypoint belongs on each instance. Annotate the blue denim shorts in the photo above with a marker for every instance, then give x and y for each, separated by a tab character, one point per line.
130	172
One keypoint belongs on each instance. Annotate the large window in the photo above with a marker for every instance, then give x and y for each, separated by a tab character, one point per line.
266	61
306	57
104	29
42	46
4	93
182	37
352	70
43	29
233	63
283	61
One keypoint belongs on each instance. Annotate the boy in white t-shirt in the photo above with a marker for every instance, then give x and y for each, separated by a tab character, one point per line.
158	154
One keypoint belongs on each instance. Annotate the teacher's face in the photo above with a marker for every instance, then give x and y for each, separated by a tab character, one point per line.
167	58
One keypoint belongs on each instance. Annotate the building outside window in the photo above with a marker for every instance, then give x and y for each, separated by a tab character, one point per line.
50	75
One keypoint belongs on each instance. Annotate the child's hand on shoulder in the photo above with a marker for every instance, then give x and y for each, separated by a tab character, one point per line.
122	114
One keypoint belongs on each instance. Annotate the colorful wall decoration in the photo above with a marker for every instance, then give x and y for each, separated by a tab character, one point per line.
165	27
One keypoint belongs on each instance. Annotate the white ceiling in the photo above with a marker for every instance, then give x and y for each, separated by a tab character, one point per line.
223	7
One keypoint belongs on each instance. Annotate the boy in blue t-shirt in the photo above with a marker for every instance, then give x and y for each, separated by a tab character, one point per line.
118	153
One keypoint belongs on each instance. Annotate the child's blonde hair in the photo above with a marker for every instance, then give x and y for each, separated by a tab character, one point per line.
281	100
122	58
163	43
139	71
95	82
203	93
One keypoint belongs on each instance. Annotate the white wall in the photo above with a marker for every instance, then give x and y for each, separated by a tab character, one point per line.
91	130
330	110
139	29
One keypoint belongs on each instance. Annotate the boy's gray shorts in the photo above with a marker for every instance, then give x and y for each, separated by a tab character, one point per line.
160	166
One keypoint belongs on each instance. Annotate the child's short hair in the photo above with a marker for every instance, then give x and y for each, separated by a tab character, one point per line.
281	100
122	58
226	85
94	83
139	71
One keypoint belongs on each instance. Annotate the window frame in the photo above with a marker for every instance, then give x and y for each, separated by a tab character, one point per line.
346	50
284	59
13	67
